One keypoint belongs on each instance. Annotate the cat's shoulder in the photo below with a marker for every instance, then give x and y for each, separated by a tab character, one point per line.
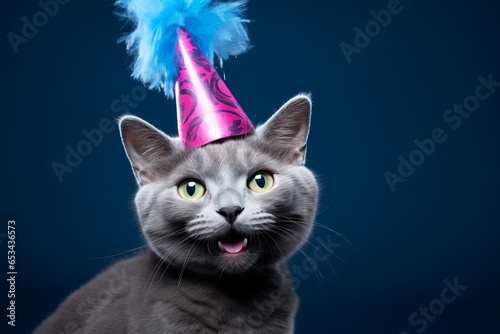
124	271
109	290
115	277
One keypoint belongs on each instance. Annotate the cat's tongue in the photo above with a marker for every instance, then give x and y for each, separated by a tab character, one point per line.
233	246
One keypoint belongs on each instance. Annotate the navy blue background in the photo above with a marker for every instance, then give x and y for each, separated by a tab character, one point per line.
441	223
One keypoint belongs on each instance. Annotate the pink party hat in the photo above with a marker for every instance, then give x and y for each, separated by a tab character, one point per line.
174	43
206	109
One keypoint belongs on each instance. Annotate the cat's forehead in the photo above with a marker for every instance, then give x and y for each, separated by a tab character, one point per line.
232	158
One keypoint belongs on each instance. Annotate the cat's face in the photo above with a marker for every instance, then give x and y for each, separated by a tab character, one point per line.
230	206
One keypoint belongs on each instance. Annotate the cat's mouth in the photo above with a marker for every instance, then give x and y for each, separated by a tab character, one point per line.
233	245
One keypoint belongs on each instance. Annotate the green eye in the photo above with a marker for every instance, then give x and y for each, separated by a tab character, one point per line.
191	189
261	182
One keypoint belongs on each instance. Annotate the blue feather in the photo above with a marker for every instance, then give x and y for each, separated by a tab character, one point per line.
217	29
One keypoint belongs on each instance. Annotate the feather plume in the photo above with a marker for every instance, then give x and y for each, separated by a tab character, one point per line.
218	29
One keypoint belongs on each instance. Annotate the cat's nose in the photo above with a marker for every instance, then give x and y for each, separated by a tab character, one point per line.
230	213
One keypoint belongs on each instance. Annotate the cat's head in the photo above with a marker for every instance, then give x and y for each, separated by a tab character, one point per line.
229	206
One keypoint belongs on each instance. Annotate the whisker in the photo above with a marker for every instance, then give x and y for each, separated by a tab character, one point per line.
328	250
163	259
185	263
326	208
267	233
336	233
117	254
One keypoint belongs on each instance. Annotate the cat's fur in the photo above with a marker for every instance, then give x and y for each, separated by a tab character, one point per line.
185	284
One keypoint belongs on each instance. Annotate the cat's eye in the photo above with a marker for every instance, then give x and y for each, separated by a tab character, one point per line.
261	181
191	189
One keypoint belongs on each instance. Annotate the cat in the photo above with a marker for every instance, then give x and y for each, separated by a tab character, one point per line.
220	222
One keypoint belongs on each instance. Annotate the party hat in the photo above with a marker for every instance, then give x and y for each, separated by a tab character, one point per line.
174	43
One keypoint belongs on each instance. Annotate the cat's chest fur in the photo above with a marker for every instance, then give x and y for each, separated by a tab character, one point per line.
137	296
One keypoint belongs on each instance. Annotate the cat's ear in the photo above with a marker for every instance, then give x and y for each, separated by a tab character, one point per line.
146	146
288	128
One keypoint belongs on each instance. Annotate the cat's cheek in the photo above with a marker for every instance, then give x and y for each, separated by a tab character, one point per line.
282	191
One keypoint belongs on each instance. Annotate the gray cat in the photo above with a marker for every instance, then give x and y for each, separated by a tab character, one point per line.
220	222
